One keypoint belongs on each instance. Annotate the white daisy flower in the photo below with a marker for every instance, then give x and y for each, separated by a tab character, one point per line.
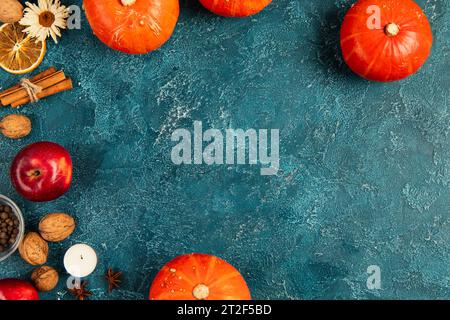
45	19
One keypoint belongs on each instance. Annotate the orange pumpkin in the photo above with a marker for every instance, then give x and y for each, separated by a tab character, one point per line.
235	8
199	276
132	26
385	40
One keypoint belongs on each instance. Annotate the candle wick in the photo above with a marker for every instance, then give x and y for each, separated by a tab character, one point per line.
81	257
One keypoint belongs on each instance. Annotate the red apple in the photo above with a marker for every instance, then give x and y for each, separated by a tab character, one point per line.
14	289
42	171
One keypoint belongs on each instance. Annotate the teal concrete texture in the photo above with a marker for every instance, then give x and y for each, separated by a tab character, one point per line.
364	167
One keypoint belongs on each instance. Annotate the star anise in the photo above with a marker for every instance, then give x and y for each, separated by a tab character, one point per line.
113	279
82	292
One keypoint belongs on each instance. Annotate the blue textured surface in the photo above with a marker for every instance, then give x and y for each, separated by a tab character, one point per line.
365	166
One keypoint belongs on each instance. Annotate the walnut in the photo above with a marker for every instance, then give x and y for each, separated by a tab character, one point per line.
15	126
45	278
10	11
56	226
33	249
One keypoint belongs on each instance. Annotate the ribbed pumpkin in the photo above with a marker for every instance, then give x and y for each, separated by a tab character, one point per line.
385	40
235	8
199	276
132	26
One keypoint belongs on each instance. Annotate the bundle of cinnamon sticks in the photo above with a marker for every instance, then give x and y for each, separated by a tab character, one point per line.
50	82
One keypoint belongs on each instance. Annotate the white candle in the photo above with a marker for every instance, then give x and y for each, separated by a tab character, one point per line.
80	260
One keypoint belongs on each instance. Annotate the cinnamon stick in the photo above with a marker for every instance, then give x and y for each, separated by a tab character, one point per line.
44	83
37	77
54	89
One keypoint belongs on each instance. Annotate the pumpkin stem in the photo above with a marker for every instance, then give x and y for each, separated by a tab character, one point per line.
391	29
200	292
128	3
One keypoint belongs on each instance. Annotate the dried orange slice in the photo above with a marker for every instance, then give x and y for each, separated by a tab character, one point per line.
19	53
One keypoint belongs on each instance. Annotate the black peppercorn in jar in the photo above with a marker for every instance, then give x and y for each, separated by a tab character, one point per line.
11	227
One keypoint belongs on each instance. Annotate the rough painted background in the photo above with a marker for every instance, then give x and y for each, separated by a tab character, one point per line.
365	166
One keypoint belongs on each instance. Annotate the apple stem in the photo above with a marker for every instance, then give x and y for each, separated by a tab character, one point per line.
34	173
